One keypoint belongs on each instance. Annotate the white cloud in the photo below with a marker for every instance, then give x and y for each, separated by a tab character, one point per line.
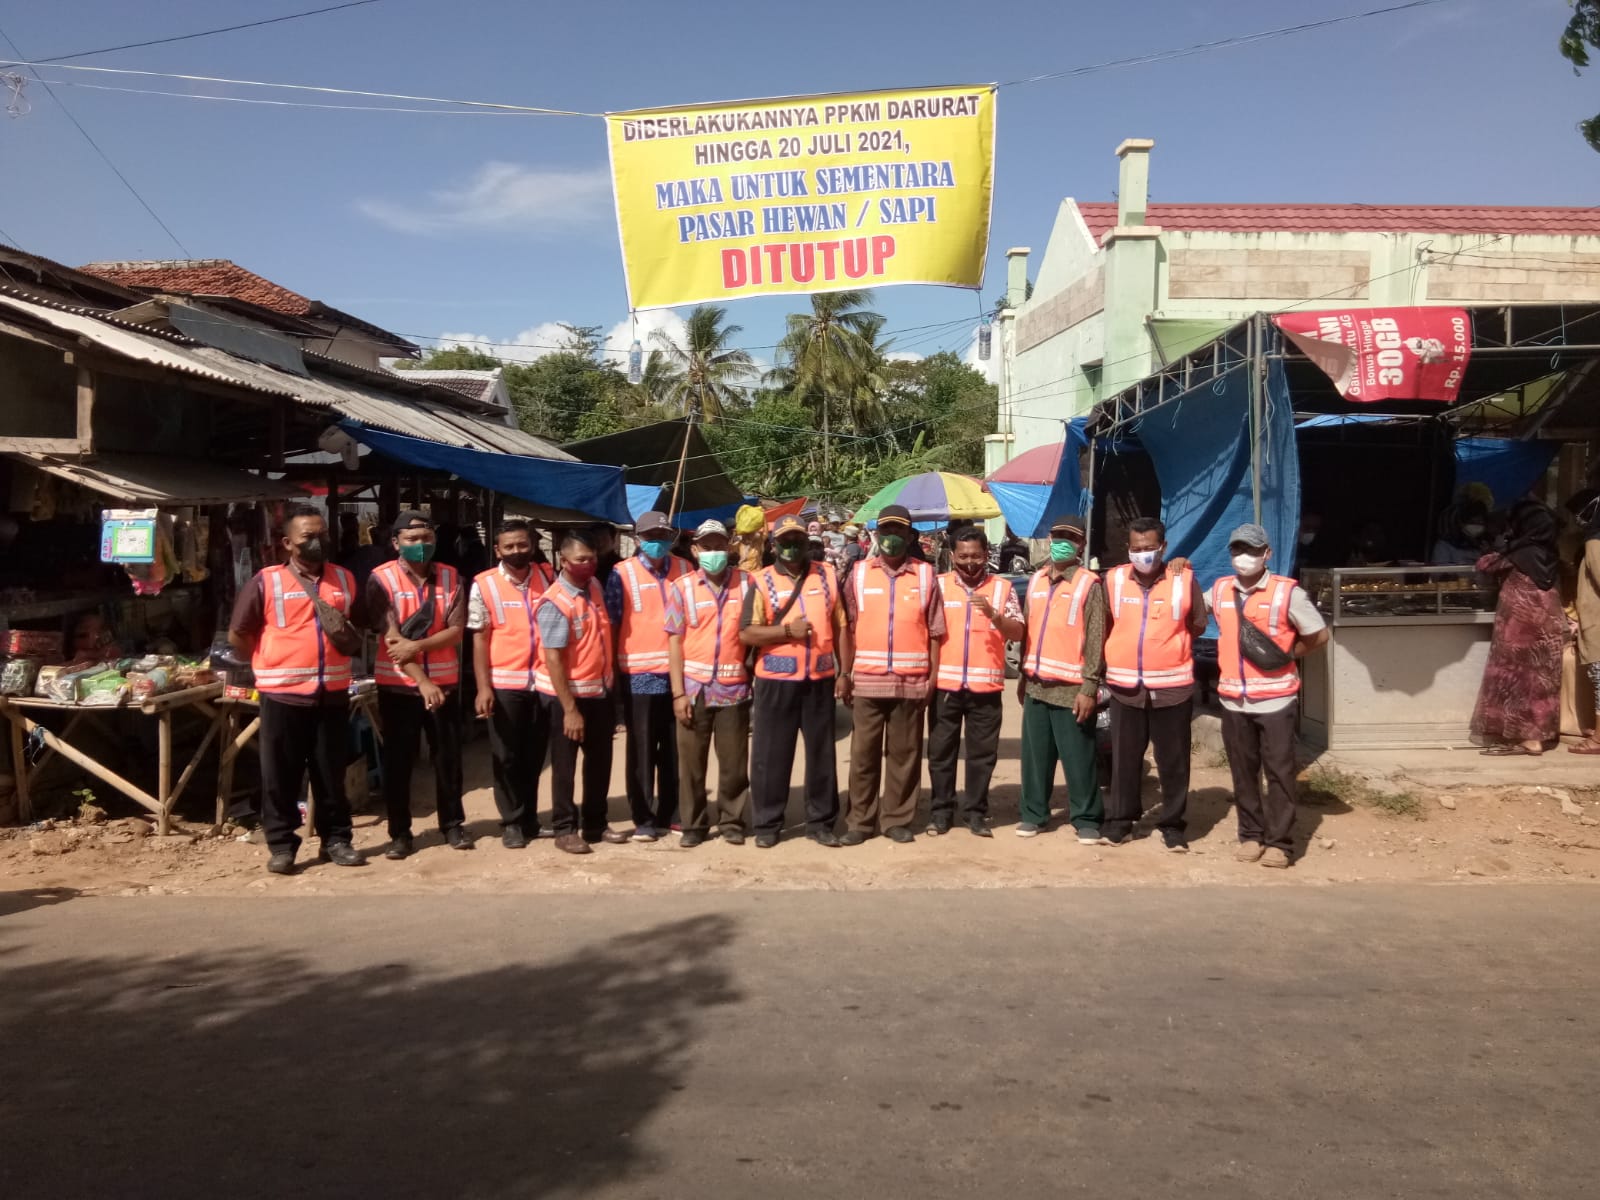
534	342
904	356
502	197
667	321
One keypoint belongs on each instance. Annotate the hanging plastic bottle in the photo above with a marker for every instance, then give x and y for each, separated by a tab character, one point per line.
635	362
985	341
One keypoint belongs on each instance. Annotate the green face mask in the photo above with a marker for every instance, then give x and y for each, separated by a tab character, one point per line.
1062	552
792	552
892	544
715	562
418	553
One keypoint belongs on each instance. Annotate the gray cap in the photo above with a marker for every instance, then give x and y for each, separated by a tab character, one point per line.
651	521
1250	534
707	528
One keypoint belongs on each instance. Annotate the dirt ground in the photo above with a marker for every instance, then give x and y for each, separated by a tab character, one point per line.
1346	832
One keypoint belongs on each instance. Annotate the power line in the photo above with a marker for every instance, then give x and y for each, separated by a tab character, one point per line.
186	37
104	157
388	108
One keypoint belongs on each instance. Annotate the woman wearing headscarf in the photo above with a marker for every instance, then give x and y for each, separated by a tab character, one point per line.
1587	511
1461	535
1519	700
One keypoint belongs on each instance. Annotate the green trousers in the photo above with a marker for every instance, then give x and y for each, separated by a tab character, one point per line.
1051	735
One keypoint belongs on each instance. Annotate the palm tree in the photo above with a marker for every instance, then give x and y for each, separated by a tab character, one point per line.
698	377
825	352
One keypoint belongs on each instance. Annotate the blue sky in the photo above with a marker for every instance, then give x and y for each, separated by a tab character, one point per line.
499	226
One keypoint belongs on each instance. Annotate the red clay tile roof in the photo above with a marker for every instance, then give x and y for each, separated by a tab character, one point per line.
1101	216
204	277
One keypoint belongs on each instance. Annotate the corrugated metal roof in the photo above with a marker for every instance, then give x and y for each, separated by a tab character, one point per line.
153	479
1101	217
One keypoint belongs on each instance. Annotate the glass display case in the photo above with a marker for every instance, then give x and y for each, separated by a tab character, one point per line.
1428	595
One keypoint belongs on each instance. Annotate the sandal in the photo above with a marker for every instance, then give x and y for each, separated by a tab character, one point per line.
1585	747
1510	751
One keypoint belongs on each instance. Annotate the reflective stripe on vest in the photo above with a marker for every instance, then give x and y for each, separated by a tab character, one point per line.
1268	608
1150	643
812	658
892	621
511	632
588	648
292	657
443	667
1053	652
980	665
711	646
642	637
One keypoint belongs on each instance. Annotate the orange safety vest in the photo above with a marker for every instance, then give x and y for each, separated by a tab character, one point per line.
642	639
892	622
589	649
1150	644
812	658
443	667
291	657
511	631
1057	626
711	647
981	666
1268	609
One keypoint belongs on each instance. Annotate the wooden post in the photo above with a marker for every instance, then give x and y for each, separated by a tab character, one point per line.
164	772
228	752
85	409
19	768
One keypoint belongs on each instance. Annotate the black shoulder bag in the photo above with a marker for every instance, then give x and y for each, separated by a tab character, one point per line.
1255	647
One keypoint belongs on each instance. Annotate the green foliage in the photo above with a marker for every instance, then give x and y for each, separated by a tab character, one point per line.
1581	33
455	358
702	375
1328	787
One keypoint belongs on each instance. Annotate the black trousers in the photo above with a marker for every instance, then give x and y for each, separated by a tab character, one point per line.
652	769
519	738
783	710
295	738
599	716
405	723
1135	727
980	712
1257	742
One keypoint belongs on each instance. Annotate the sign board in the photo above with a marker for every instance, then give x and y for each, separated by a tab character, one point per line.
1376	354
803	194
128	535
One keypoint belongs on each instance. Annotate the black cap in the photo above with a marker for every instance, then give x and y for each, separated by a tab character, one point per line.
894	514
410	518
1067	526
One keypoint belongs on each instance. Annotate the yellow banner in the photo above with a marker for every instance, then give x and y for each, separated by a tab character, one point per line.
804	194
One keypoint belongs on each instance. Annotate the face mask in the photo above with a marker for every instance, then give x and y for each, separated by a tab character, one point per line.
1307	538
580	573
518	561
793	552
1248	564
313	550
1472	531
1062	552
971	575
715	562
1144	560
892	544
418	553
655	548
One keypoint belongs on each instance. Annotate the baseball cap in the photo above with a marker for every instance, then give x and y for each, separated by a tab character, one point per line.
894	514
410	518
1250	534
787	524
651	521
707	528
1067	525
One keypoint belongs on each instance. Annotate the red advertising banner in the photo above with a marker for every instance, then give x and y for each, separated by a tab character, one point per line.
1386	353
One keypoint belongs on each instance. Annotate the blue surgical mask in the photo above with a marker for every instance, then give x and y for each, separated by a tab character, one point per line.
655	548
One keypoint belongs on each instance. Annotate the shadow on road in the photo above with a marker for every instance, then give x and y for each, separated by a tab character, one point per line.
253	1073
12	903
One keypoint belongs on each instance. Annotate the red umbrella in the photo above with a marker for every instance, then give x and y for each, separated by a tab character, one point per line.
1032	466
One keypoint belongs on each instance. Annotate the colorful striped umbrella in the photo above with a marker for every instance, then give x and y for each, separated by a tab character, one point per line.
933	498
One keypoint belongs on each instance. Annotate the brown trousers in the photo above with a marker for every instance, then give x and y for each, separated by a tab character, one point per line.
885	732
729	729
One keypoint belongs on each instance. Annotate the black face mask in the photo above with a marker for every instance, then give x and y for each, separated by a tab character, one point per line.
971	575
313	551
518	561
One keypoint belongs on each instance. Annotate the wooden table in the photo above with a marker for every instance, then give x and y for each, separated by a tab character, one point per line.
164	707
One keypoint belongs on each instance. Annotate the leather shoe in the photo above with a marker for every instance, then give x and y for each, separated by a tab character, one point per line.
734	837
399	848
854	838
766	841
691	838
902	835
342	854
512	838
979	827
458	838
281	863
825	837
572	843
612	837
939	826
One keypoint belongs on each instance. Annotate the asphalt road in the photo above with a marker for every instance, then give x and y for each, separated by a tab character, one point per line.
1322	1042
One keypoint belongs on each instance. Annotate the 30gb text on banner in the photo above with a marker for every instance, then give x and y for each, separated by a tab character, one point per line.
804	194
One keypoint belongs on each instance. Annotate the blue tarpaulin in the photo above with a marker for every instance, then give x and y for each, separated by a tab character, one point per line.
1200	447
557	483
1506	466
1031	508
